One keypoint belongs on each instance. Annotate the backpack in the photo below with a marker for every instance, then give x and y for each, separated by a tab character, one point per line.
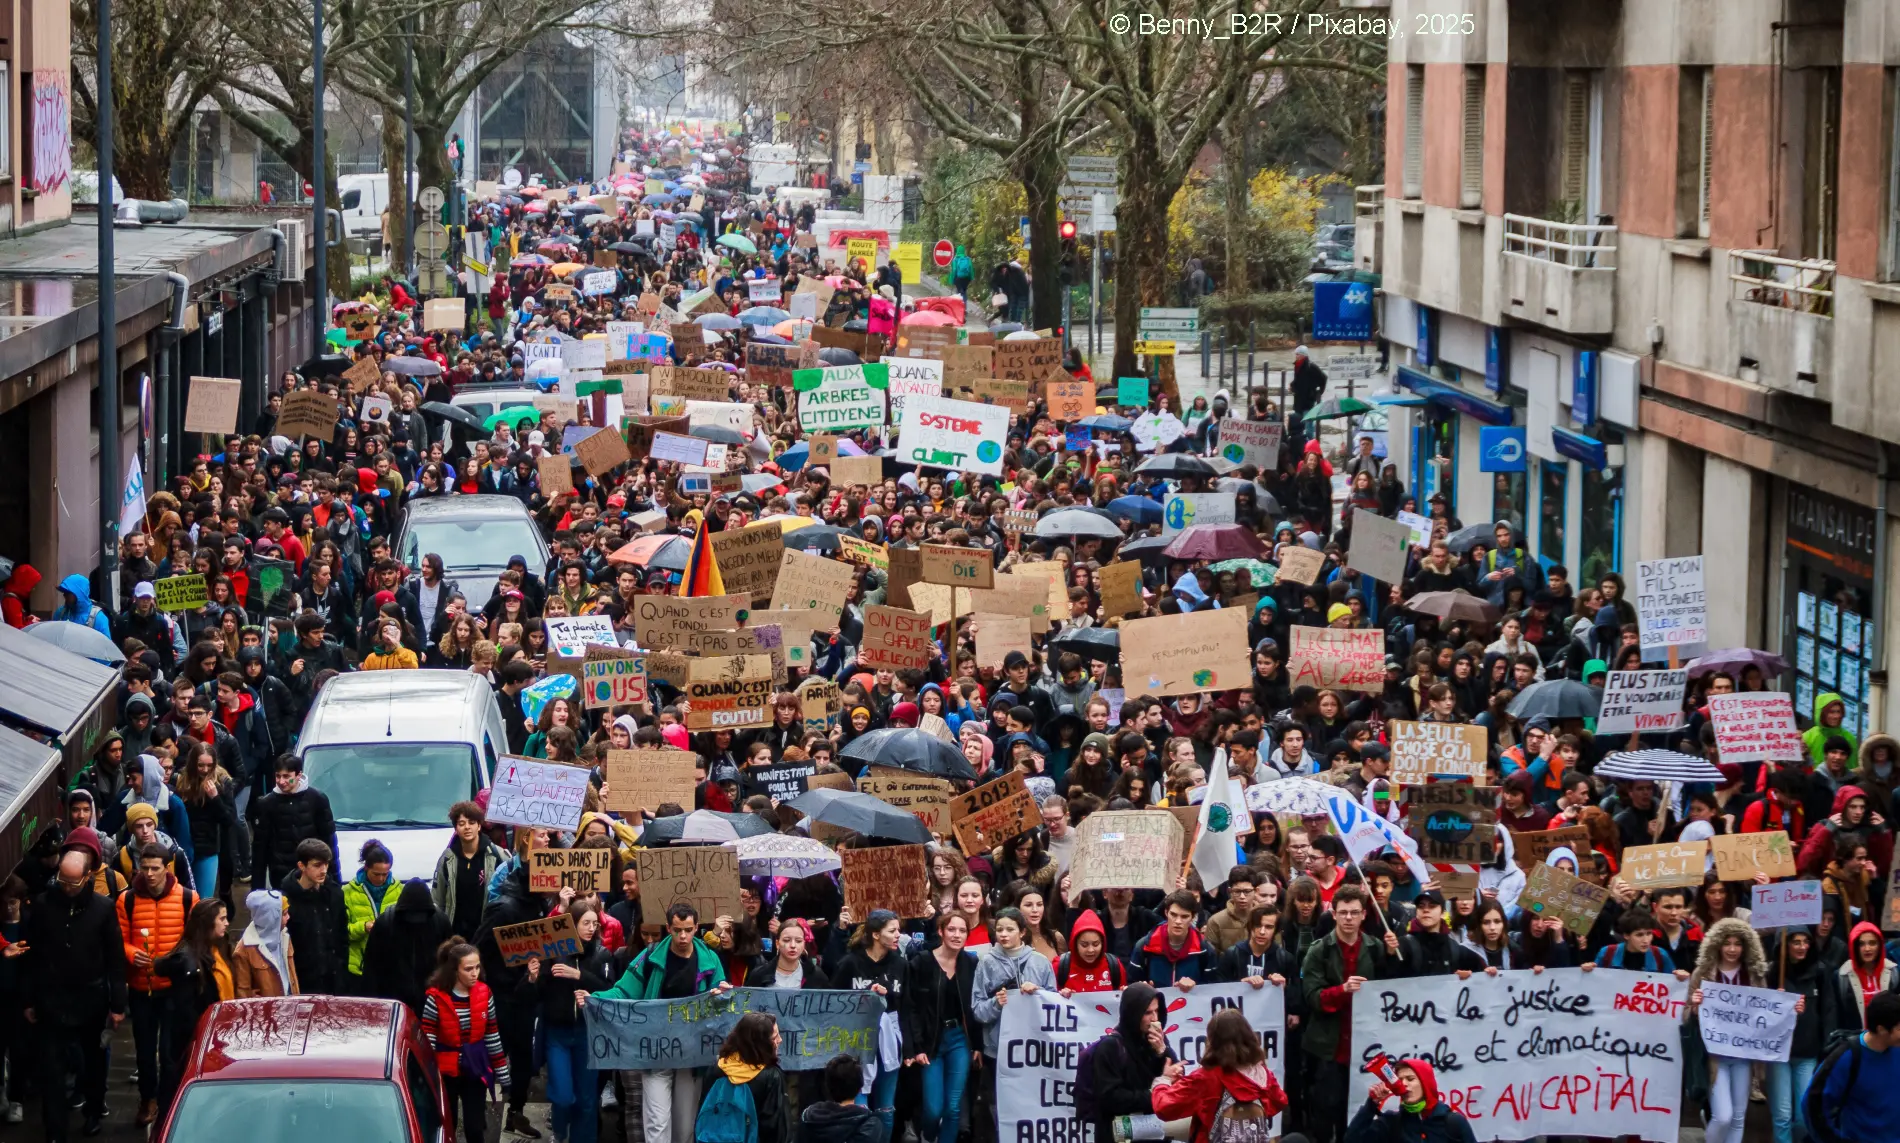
727	1115
1236	1121
1085	1081
1824	1123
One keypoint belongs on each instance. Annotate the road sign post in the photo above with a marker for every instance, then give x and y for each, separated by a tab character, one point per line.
942	252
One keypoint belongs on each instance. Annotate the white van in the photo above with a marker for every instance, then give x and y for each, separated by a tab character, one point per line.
363	198
393	750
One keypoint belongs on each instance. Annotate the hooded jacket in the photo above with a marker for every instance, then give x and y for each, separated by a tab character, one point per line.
1124	1065
75	960
318	926
363	903
1000	969
828	1122
399	954
1815	737
1436	1122
76	606
1106	974
1850	1006
1868	776
767	1088
1199	1095
1811	978
1159	963
16	594
1708	961
1817	849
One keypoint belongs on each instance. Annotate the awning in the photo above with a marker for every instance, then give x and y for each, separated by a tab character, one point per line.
29	793
47	692
1586	450
1452	397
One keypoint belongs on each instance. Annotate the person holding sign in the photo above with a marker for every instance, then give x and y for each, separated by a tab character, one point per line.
1008	966
1730	954
571	1081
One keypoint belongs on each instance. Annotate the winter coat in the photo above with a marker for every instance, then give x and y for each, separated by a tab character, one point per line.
75	968
1436	954
253	975
556	993
828	1122
400	953
213	826
921	1012
360	907
1850	1009
1817	849
1880	790
318	926
1810	977
1322	988
1708	963
152	924
646	972
442	888
1814	737
509	903
997	970
279	822
766	1086
1124	1065
76	606
1161	964
1199	1095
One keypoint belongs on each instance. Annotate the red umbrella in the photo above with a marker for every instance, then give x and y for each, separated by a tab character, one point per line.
927	317
1216	542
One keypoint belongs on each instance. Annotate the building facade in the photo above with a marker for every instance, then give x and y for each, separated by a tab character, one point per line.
1641	258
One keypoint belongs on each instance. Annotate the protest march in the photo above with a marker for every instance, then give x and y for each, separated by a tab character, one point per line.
711	688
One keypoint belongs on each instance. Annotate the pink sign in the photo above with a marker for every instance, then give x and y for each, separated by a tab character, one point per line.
52	126
1756	726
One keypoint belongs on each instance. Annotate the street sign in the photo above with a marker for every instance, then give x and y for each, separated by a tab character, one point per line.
1154	349
1170	323
431	199
942	252
1092	171
432	239
1356	366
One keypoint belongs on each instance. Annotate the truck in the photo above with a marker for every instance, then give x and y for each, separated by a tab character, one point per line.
772	165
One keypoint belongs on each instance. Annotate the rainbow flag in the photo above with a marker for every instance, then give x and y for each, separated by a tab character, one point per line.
701	574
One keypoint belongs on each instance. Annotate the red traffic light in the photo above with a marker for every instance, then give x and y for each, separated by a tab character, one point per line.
1068	229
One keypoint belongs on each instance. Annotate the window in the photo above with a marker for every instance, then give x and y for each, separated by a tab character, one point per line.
1471	175
6	118
1820	170
1552	498
1573	171
1695	130
1414	178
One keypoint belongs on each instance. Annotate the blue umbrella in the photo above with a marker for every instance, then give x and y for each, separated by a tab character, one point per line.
1107	423
794	458
763	315
769	339
717	321
1140	509
656	199
78	638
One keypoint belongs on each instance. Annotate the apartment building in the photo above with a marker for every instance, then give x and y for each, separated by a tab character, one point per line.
1641	262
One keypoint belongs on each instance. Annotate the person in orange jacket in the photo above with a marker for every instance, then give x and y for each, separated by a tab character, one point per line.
152	915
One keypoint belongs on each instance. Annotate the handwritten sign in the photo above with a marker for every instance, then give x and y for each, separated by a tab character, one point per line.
703	876
812	583
767	364
1782	904
895	638
839	398
964	364
748	558
1756	726
958	567
307	413
602	451
1743	1023
648	779
1421	750
1675	864
1378	546
1126	849
894	877
657	1035
212	404
1454	822
1340	658
539	795
920	794
1186	653
1530	847
1642	702
1671	609
1069	400
1251	442
994	813
544	938
729	692
607	683
911	377
1301	564
782	782
849	471
1739	856
1553	894
1121	588
180	593
1026	359
938	432
665	622
586	869
998	635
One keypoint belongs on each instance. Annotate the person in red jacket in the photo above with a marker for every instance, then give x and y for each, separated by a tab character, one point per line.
1233	1064
1780	810
13	596
1088	966
1852	812
458	1010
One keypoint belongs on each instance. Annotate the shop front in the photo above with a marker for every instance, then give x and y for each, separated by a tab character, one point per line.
1827	601
1450	413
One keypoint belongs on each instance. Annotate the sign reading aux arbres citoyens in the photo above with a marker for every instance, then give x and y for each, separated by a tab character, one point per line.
840	398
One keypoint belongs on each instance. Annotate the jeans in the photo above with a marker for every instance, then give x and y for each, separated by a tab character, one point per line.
572	1087
154	1035
1787	1095
944	1081
204	874
883	1098
669	1103
1728	1101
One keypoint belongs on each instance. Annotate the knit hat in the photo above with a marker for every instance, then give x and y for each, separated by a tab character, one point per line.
141	811
1337	612
86	839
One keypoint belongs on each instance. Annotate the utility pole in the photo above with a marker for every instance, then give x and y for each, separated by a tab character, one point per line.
111	481
319	179
409	142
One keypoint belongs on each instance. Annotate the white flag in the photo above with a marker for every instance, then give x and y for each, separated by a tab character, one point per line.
132	502
1214	851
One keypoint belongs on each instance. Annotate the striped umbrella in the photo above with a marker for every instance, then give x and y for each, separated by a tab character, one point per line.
1659	766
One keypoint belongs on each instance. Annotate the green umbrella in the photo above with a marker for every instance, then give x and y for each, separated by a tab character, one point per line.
738	242
514	415
1264	574
1337	407
338	337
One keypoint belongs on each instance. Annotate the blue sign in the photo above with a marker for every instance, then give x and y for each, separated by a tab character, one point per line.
1583	392
1495	353
1427	350
1452	397
1501	448
1587	451
1342	311
1075	438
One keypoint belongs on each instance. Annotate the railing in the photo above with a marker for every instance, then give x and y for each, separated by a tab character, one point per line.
1368	199
1804	284
1576	244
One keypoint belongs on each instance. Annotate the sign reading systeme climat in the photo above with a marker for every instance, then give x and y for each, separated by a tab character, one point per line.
1501	448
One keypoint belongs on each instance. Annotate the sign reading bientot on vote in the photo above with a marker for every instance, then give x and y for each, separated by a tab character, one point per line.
1671	610
1522	1055
839	398
965	436
650	1035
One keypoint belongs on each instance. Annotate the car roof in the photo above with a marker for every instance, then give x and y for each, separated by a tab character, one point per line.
477	506
358	707
311	1037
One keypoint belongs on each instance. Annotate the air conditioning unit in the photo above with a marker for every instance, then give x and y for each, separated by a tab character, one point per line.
291	266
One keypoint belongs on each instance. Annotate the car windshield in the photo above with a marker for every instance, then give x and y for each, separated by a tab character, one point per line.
398	784
292	1111
474	543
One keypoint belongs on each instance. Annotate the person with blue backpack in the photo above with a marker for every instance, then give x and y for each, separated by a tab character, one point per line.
1851	1098
746	1103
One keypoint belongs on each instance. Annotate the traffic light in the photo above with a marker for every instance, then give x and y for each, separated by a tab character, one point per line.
1068	230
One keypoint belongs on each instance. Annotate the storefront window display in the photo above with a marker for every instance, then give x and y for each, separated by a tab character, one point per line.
1828	587
1600	529
1552	492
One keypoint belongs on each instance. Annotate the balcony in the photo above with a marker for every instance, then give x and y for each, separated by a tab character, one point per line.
1368	236
1559	275
1781	321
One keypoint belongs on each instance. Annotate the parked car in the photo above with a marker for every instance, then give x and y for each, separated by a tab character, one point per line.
475	536
308	1069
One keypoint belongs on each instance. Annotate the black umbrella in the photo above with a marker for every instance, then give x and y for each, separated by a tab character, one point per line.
626	248
909	749
668	830
819	538
1175	465
323	364
861	814
1145	548
718	434
833	355
1103	644
856	325
455	413
1469	537
411	366
1557	698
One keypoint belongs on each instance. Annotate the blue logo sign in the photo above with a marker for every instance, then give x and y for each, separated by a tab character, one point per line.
1342	311
1583	393
1180	512
1494	356
1501	448
1426	350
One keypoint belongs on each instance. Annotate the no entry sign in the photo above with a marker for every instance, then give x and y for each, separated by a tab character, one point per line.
941	252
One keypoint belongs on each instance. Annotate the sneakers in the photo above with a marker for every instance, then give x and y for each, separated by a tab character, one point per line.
93	1126
608	1098
519	1125
15	1113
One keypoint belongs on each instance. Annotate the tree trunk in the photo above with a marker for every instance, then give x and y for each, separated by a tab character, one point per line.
396	250
143	142
1142	273
1234	175
432	160
1041	177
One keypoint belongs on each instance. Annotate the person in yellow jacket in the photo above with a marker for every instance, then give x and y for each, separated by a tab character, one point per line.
365	897
389	653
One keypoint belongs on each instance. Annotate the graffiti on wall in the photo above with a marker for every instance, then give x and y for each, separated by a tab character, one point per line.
52	125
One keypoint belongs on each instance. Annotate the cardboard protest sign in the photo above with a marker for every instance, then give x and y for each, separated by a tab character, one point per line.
692	384
1494	1044
823	449
307	413
1054	575
1185	653
848	471
958	566
839	398
211	405
894	877
768	364
1668	865
1023	596
994	813
602	451
754	639
362	373
1783	904
1069	400
782	782
812	583
1003	392
648	779
1340	658
1126	849
664	622
1251	442
1379	546
180	593
1739	856
863	553
360	325
445	313
586	869
938	432
1642	701
912	377
607	683
895	638
641	429
1421	750
703	876
546	939
920	794
1452	821
1553	894
1756	726
998	635
1671	610
729	692
1121	588
964	364
748	557
906	566
1529	847
555	474
1301	564
539	795
1026	359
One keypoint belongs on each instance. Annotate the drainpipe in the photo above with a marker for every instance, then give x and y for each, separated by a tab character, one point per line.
1880	577
166	337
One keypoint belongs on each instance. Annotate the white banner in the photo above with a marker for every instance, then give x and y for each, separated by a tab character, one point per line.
1519	1055
1670	608
1041	1037
1742	1023
939	432
1642	701
912	377
1182	510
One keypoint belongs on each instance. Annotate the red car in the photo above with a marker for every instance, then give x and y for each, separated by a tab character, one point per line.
308	1069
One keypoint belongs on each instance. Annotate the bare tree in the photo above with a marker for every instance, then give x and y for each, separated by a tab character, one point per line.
166	59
